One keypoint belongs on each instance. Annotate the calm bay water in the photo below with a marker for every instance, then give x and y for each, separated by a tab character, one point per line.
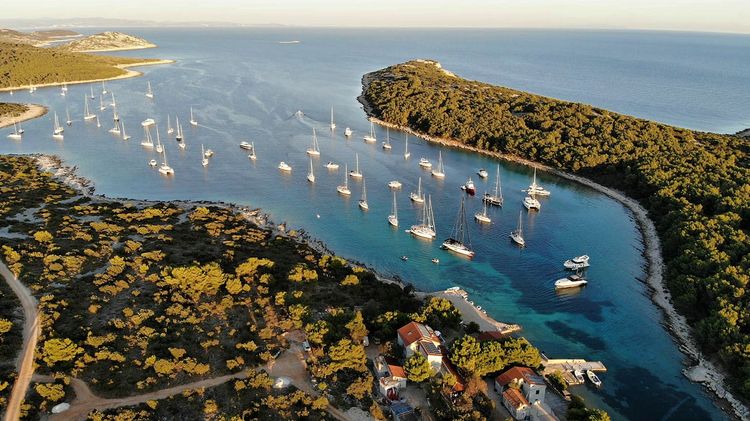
244	85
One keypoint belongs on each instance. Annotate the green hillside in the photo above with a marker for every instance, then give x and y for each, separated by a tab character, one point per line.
22	64
694	184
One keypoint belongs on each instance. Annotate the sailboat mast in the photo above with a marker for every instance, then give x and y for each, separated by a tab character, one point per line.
394	211
364	190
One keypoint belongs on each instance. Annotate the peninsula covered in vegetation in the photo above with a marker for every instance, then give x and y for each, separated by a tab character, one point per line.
23	65
695	185
107	41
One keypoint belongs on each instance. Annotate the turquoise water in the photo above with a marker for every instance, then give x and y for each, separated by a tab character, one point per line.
243	85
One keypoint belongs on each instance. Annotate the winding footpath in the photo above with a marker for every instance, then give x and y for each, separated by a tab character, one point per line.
25	362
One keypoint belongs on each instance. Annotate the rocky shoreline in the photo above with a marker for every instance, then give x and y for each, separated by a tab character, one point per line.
698	369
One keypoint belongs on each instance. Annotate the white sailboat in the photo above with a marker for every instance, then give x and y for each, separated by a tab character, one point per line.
344	189
91	95
482	216
387	143
68	121
63	90
159	147
459	241
393	216
355	173
332	165
15	135
311	174
418	196
57	132
348	132
517	234
535	188
165	168
113	103
147	141
283	166
204	160
370	138
104	89
87	115
98	123
149	91
179	136
363	200
101	103
193	121
440	171
426	227
333	125
495	199
115	129
122	127
252	152
314	150
407	154
170	129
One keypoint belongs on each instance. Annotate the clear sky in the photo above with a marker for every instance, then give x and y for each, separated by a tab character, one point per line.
689	15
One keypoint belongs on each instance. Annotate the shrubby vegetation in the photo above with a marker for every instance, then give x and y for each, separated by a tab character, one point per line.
11	109
11	336
23	64
136	297
695	185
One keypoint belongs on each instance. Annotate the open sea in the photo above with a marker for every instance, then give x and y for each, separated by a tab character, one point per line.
244	85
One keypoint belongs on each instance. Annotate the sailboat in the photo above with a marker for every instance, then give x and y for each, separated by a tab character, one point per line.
283	166
149	92
311	174
113	103
459	241
91	95
535	188
63	89
86	112
164	168
348	132
16	135
159	147
122	127
57	133
426	227
252	151
115	115
440	171
370	138
355	173
178	137
98	123
387	143
418	196
363	201
116	129
192	119
68	121
315	148
482	216
204	160
170	130
495	199
147	141
517	235
101	103
333	125
393	217
344	189
407	154
104	89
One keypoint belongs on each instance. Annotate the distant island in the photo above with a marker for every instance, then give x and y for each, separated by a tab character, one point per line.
695	186
23	65
107	41
38	38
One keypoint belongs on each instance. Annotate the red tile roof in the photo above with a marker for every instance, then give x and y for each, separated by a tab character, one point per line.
491	336
519	373
515	398
396	371
460	382
414	331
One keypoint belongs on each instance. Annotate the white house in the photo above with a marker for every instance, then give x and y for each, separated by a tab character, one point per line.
516	403
412	334
531	384
391	377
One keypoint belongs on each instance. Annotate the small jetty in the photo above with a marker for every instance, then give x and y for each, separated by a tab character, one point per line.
460	299
567	366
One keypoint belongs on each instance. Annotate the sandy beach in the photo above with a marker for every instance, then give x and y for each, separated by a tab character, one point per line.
128	74
33	111
470	313
701	371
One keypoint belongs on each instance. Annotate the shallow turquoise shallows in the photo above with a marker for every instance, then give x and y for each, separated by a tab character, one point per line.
244	85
